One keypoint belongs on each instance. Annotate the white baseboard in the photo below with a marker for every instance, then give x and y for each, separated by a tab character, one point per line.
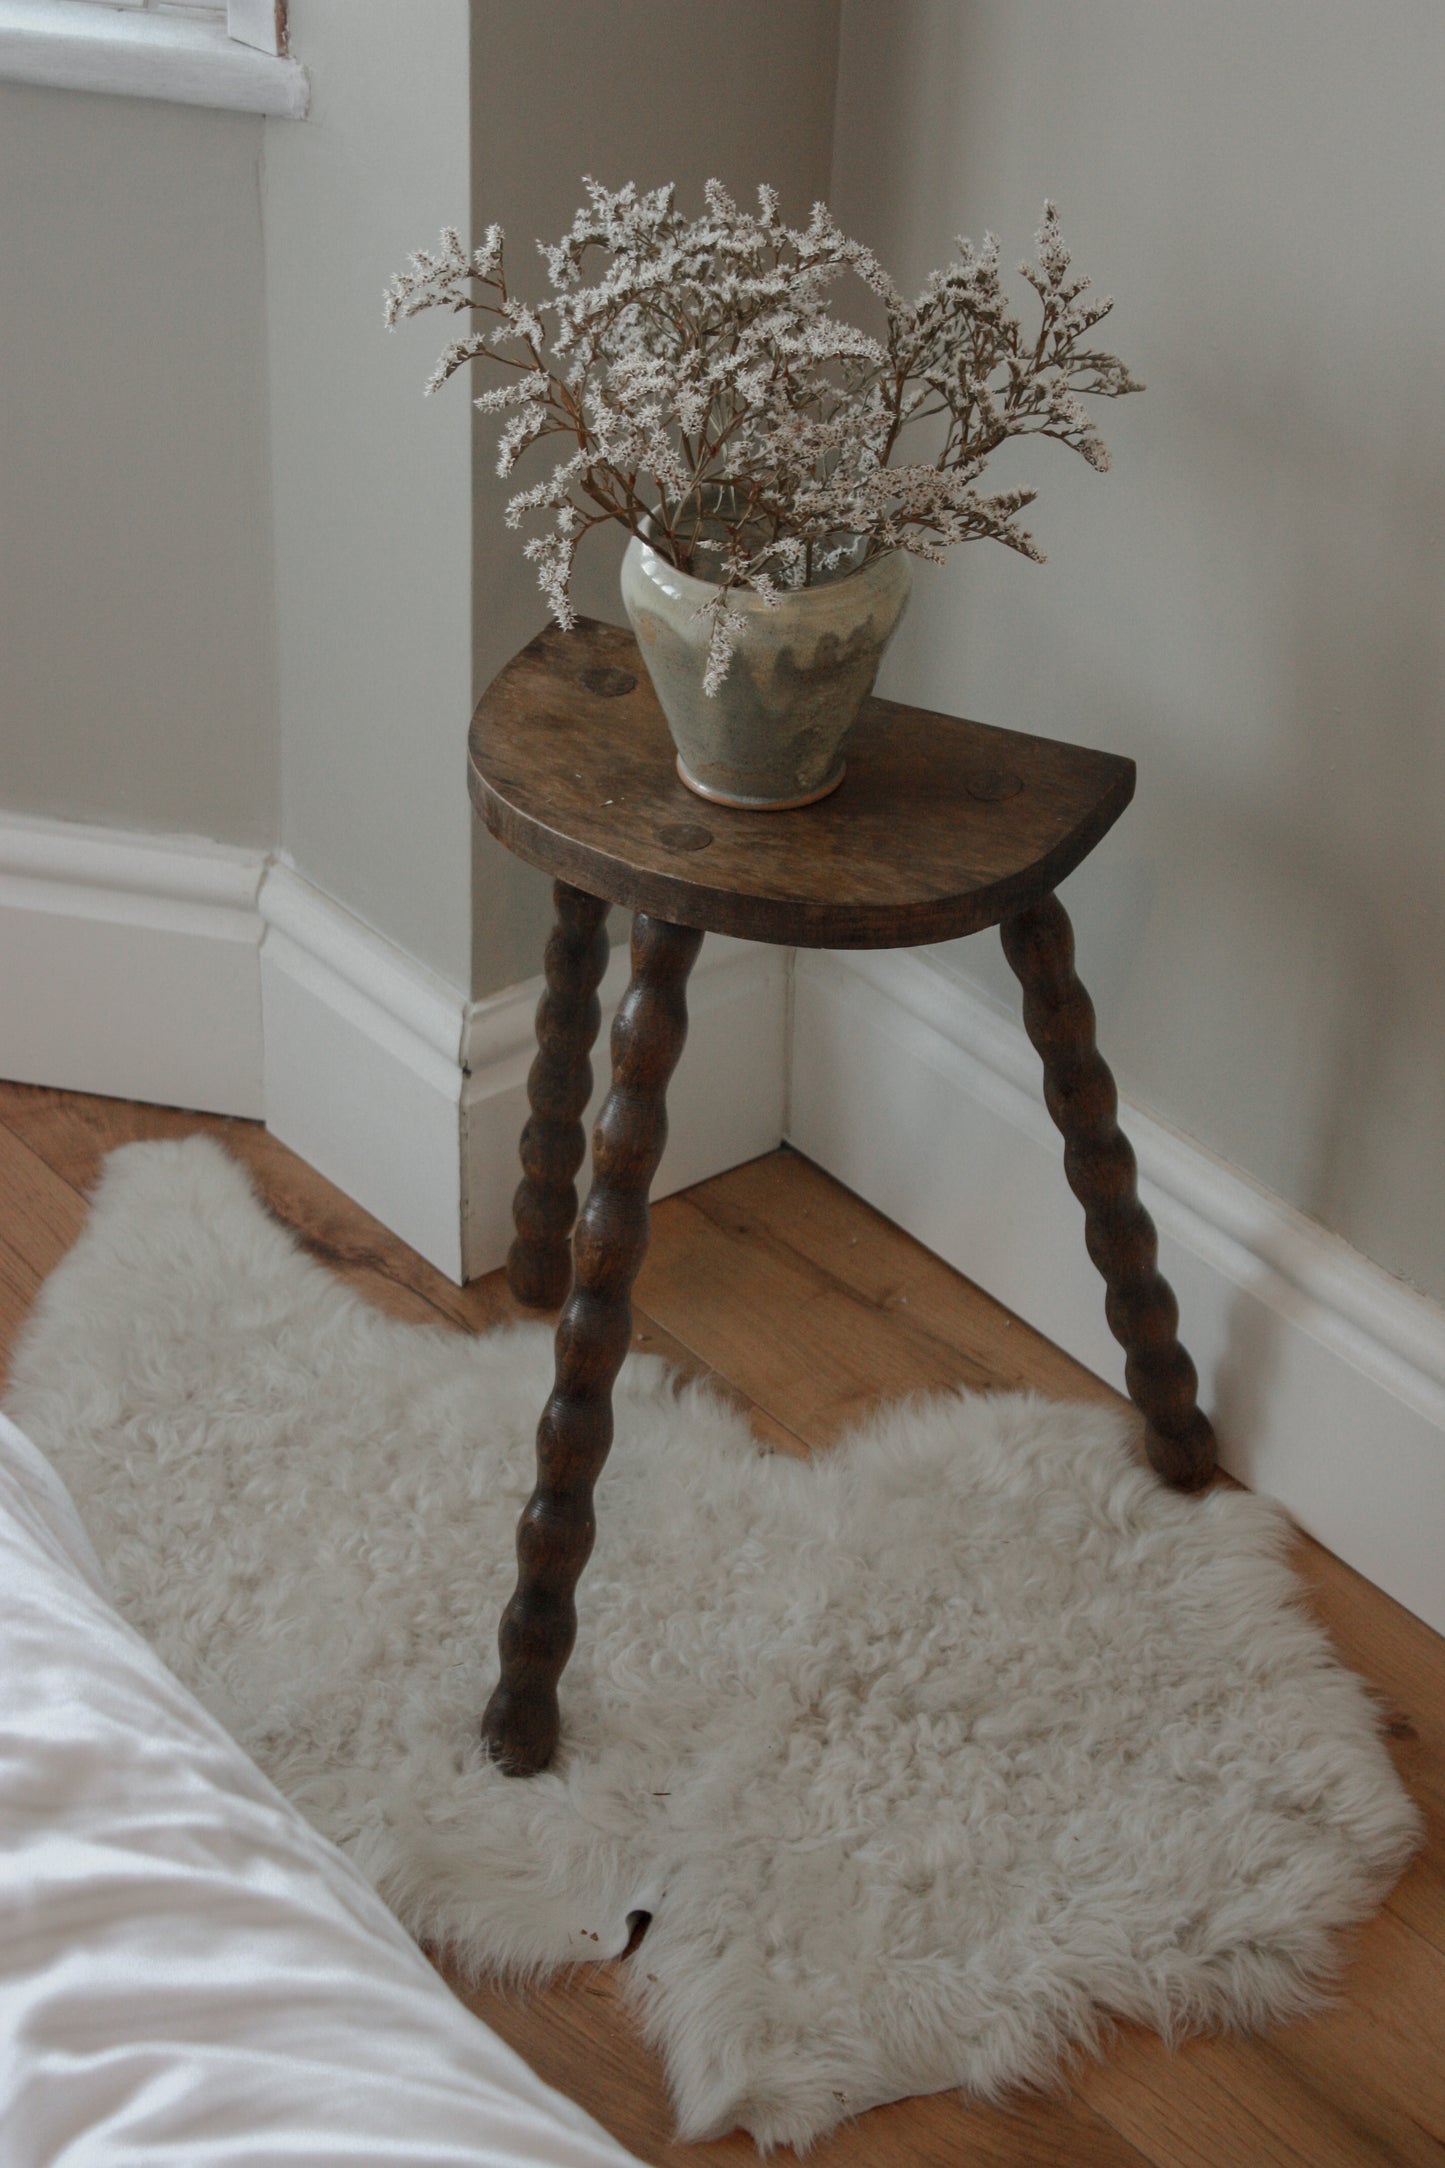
363	1065
1325	1377
190	974
128	965
412	1100
725	1103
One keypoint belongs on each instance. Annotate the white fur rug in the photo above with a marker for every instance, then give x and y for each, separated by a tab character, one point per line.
925	1757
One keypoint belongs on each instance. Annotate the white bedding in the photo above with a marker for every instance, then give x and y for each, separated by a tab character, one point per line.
188	1972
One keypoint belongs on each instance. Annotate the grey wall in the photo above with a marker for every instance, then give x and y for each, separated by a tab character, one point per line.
137	683
622	92
372	484
1251	603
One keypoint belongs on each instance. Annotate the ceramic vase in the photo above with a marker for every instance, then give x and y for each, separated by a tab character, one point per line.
771	737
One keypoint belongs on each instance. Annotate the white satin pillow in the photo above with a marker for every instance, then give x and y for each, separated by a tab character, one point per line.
190	1974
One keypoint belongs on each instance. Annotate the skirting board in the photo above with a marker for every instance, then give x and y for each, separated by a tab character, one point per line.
1324	1376
191	974
128	965
412	1101
362	1057
724	1105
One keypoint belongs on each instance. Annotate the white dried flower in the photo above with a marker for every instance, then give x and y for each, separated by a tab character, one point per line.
728	627
681	355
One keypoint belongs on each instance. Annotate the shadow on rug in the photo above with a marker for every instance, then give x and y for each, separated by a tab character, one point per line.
925	1757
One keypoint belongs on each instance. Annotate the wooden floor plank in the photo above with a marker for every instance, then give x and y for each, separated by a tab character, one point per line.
581	2036
40	1213
1214	2101
1381	2048
1360	2083
651	1338
796	1340
785	1202
1405	1662
757	1272
19	1286
40	1216
805	1307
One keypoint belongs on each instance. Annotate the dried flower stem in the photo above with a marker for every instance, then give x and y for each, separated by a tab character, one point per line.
704	357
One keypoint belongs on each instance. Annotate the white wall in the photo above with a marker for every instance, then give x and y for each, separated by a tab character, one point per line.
1251	603
371	484
137	681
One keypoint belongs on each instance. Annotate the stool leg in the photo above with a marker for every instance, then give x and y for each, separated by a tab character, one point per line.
555	1533
1099	1161
539	1263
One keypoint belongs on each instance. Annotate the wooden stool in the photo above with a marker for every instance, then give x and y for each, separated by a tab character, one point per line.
941	828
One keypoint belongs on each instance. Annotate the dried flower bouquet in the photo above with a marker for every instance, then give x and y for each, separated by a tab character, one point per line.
703	356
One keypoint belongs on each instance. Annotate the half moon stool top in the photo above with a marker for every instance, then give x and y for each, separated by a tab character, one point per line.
940	828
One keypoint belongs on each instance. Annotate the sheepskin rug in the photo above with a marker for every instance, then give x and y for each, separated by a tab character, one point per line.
925	1757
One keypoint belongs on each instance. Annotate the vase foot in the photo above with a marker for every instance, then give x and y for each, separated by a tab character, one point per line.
824	789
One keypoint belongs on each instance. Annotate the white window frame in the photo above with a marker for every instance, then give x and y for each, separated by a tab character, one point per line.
258	23
233	57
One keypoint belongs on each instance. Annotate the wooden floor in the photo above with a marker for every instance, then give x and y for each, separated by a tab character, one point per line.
810	1307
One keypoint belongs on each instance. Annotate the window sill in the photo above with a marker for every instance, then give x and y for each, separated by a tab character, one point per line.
73	45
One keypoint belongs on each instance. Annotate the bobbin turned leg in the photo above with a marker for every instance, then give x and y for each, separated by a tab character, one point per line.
554	1535
554	1144
1099	1161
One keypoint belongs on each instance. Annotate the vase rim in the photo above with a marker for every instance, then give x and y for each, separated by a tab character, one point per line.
748	593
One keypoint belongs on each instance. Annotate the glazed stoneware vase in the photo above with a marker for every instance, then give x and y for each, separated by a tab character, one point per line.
771	737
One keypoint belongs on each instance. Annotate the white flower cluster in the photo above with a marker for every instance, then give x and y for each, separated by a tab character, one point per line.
712	402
